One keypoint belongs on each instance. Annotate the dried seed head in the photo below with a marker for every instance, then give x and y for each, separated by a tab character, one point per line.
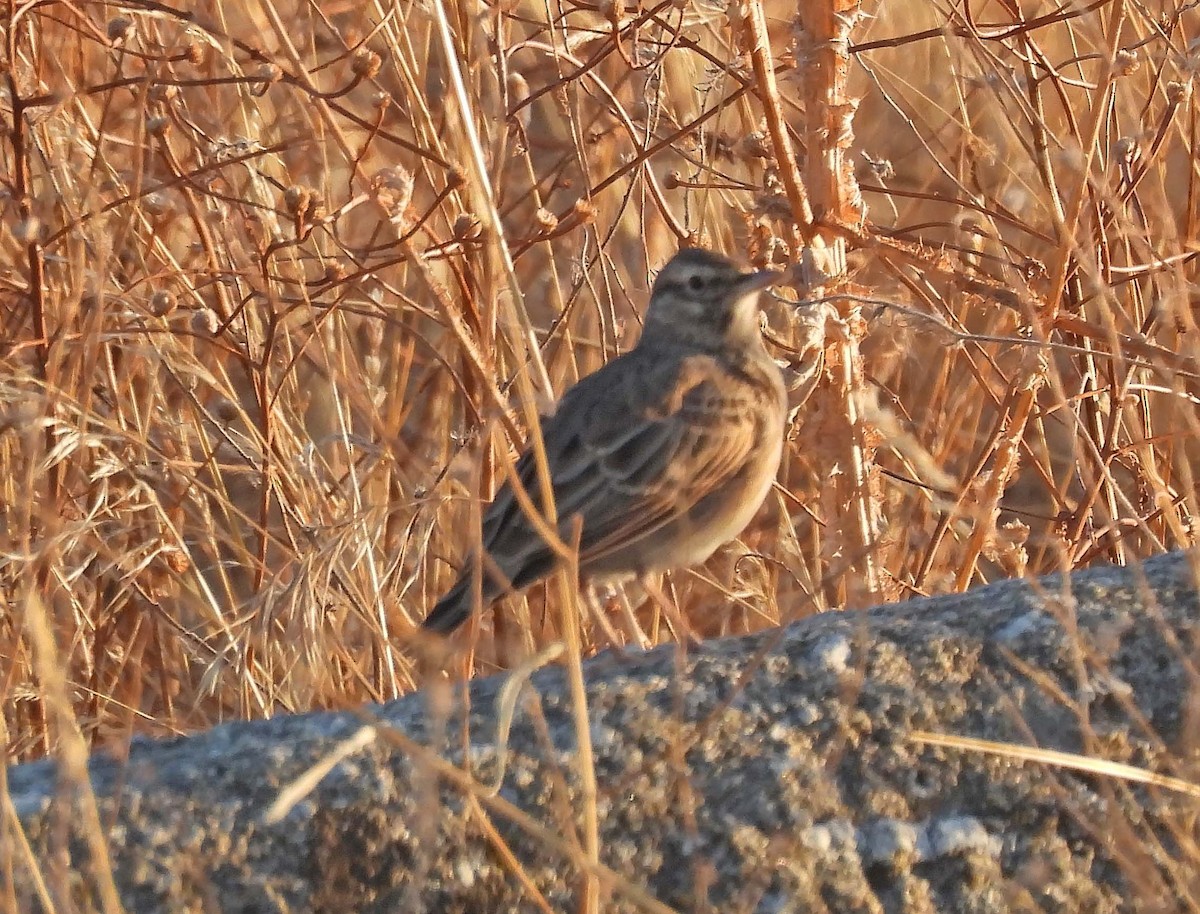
204	322
879	169
119	29
754	145
155	204
305	205
270	74
393	189
176	560
1178	92
1126	62
545	220
1032	268
194	53
366	64
722	145
468	227
297	199
226	411
584	211
162	303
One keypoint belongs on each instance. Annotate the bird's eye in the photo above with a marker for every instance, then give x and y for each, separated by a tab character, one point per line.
695	282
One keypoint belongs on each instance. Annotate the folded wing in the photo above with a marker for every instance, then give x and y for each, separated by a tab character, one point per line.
627	463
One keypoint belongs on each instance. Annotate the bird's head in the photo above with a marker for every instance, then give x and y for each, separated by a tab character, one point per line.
704	297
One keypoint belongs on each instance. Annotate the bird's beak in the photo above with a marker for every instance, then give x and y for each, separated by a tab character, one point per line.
753	282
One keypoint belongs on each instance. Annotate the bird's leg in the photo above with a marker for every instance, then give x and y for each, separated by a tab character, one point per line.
631	623
601	617
678	624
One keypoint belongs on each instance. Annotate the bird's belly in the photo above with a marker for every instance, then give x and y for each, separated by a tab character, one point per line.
717	519
710	533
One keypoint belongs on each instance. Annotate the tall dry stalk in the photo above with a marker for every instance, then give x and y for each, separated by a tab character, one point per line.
274	320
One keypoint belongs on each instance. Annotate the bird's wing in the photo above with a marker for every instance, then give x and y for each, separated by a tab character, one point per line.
709	436
628	456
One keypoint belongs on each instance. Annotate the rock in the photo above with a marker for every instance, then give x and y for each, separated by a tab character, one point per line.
771	773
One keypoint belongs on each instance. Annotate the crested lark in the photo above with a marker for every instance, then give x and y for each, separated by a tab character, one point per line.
664	454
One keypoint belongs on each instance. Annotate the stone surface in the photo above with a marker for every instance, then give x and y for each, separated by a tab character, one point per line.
774	773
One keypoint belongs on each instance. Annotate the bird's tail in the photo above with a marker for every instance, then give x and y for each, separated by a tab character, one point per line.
451	610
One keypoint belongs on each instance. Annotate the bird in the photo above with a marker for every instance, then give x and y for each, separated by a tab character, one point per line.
663	455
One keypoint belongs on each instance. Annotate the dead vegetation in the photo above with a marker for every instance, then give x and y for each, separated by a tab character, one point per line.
263	352
280	294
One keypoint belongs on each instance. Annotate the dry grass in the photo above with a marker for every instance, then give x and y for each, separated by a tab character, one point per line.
262	359
263	354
